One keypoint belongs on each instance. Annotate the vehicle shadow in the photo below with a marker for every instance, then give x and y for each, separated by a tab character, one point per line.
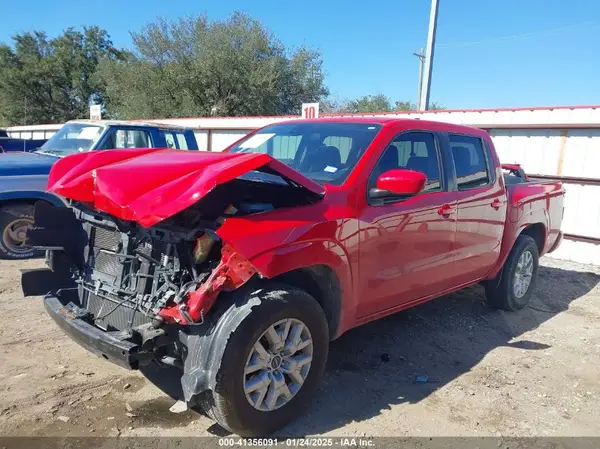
376	365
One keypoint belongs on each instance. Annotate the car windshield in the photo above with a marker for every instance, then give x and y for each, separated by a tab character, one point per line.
321	151
72	138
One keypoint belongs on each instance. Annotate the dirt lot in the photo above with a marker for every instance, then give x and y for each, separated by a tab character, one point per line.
532	373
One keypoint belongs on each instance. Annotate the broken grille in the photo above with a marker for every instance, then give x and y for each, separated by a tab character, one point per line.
110	311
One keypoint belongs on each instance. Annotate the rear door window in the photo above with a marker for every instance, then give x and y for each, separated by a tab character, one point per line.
181	141
170	139
175	139
127	138
470	161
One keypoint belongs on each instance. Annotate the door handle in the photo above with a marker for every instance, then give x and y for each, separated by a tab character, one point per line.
496	204
446	210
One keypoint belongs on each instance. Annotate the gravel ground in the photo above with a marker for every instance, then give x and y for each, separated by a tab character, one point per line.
530	373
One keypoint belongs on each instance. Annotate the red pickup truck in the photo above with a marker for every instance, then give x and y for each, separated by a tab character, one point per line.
239	267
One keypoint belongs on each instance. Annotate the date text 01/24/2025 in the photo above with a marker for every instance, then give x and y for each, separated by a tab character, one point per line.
297	442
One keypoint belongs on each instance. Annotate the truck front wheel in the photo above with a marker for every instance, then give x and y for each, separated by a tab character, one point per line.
272	364
513	288
15	220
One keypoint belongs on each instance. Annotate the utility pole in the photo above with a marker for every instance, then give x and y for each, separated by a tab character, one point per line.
421	56
424	100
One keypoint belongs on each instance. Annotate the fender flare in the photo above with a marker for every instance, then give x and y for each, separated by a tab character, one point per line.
206	343
507	246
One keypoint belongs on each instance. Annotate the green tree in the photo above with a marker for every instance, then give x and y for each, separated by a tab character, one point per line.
435	106
410	106
45	80
368	103
197	67
375	103
330	105
404	106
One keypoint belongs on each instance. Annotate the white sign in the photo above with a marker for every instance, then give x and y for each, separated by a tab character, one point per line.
310	110
96	112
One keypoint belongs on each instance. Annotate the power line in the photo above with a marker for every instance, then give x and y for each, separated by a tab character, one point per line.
549	32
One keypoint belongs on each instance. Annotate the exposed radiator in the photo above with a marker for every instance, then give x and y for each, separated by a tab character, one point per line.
120	318
109	315
106	238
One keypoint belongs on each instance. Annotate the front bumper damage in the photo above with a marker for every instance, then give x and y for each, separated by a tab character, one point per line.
179	333
71	319
136	348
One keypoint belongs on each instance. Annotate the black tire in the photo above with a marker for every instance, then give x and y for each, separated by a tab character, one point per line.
500	292
227	404
10	215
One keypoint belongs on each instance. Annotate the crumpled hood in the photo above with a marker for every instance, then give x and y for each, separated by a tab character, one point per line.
18	163
150	185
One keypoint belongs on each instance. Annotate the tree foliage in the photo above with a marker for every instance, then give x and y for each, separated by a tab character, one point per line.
45	80
369	103
197	67
377	103
188	67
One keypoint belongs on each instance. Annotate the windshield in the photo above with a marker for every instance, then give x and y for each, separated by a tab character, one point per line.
72	138
321	151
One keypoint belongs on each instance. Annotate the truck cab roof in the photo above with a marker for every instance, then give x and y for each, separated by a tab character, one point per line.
128	123
408	123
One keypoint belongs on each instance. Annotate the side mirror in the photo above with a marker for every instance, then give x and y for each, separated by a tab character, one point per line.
398	183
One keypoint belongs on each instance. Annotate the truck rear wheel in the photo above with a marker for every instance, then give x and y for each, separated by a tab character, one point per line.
513	288
15	220
272	364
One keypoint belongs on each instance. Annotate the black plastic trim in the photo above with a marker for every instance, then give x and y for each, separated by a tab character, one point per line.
69	317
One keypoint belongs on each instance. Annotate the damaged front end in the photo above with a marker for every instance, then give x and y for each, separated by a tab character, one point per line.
136	264
132	285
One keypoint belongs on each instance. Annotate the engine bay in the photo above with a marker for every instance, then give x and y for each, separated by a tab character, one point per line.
131	274
127	275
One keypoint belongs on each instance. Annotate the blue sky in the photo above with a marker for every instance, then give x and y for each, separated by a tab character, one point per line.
490	53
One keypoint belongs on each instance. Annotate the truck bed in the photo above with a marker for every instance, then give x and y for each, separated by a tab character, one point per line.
533	201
